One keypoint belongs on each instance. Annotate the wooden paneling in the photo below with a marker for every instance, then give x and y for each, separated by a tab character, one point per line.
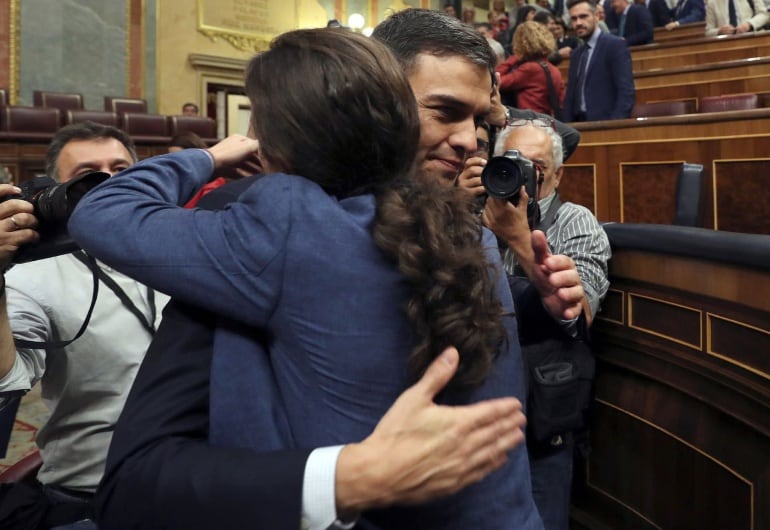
635	163
680	436
578	185
738	343
674	322
648	192
742	195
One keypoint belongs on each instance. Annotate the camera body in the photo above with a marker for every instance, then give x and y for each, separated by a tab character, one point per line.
503	177
53	203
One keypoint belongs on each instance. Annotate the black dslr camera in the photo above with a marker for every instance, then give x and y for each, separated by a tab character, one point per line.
53	203
503	177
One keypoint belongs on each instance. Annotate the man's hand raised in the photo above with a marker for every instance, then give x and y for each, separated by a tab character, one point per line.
421	451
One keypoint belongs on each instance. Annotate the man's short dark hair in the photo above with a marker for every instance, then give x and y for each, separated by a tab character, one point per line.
543	17
190	104
590	3
187	140
411	32
87	130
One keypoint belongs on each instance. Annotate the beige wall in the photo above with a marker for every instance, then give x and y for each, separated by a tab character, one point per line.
178	37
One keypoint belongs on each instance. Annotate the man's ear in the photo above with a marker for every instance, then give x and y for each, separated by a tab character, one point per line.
557	176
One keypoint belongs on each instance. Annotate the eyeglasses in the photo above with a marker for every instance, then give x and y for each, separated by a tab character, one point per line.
545	122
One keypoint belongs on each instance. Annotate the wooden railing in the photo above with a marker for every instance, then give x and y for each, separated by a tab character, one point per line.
680	433
683	32
697	81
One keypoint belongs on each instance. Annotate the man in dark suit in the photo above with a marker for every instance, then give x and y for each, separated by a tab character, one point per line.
162	471
630	21
687	11
659	10
601	79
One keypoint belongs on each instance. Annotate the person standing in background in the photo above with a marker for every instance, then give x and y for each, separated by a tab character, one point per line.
601	79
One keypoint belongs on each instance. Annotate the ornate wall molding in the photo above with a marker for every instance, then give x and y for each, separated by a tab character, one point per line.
200	61
247	25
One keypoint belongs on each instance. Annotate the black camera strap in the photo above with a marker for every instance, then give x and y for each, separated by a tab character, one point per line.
553	99
545	223
149	325
91	264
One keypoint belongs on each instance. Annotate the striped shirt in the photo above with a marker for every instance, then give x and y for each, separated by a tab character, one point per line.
575	232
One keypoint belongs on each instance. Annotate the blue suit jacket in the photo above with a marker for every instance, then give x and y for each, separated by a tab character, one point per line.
291	260
609	83
690	11
639	26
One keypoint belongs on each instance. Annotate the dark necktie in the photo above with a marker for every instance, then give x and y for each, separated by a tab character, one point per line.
622	25
679	7
731	13
581	80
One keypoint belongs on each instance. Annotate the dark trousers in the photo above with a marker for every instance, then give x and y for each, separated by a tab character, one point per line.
68	509
551	469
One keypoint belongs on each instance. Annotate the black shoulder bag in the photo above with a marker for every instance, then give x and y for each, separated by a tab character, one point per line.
553	99
560	368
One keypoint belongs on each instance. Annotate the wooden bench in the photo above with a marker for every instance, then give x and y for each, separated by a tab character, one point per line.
692	58
702	44
685	31
728	77
693	51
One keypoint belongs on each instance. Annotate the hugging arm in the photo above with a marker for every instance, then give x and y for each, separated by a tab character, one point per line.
163	474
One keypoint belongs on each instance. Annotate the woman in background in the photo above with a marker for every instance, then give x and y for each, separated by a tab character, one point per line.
524	76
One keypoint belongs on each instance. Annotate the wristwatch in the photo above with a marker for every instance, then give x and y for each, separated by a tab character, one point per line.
508	117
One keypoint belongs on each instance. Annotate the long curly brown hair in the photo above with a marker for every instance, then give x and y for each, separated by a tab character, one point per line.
432	234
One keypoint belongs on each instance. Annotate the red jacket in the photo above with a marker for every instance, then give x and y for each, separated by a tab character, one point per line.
527	81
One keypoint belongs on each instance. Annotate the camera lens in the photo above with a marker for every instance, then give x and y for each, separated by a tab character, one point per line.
502	178
56	203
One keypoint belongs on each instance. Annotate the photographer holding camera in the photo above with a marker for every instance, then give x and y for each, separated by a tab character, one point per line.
85	382
559	362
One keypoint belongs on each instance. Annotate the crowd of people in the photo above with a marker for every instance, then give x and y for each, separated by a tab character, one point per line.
359	333
542	35
602	36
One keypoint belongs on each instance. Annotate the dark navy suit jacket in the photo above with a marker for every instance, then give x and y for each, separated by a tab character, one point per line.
661	14
609	82
161	472
639	27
